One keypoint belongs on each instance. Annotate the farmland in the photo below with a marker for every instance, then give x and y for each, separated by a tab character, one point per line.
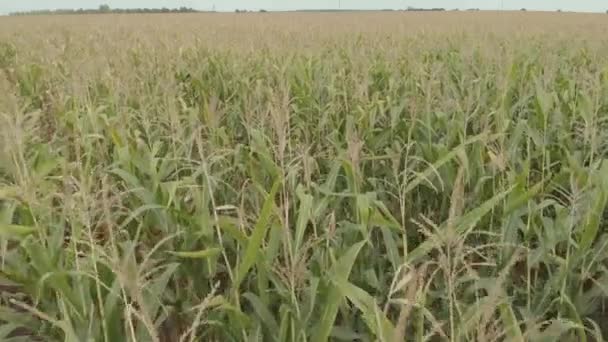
374	176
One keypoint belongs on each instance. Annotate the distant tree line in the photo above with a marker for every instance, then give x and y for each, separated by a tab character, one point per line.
106	9
328	10
415	9
249	11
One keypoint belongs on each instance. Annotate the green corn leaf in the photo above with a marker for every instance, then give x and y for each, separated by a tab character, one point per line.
286	323
15	231
339	271
230	226
593	217
263	313
9	193
255	241
509	321
443	160
378	323
304	214
202	254
462	224
592	220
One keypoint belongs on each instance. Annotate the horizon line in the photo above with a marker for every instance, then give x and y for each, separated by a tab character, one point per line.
257	10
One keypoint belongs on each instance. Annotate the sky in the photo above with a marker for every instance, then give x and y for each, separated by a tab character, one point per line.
7	6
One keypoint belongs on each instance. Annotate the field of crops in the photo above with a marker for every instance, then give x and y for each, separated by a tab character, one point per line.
304	177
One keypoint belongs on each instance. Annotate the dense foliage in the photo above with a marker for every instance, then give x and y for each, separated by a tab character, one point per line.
105	9
372	177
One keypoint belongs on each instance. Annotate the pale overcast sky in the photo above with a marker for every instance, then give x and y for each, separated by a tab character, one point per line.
229	5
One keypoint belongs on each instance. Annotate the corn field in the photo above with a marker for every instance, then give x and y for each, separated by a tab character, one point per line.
304	177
